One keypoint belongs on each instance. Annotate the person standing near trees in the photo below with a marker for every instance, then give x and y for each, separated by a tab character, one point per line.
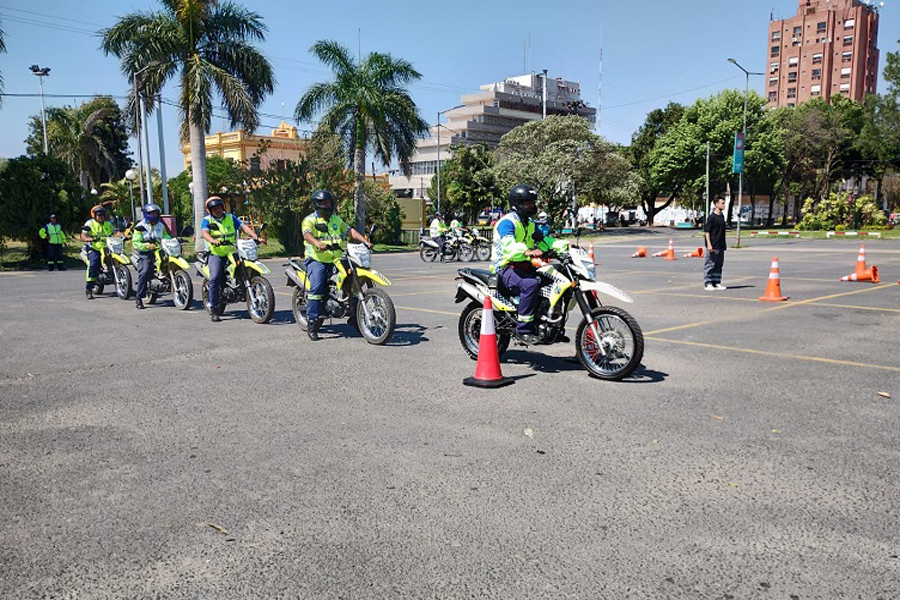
52	232
715	247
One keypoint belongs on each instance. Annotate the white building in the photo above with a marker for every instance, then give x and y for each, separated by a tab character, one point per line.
484	117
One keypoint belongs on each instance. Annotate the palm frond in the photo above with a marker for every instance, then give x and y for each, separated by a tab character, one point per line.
233	22
334	55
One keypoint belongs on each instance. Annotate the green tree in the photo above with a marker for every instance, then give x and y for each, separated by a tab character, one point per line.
383	211
33	187
467	182
368	106
658	123
562	158
207	45
91	139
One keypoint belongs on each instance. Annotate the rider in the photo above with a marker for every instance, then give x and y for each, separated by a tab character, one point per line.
222	241
437	230
543	223
514	247
154	230
56	239
319	259
94	232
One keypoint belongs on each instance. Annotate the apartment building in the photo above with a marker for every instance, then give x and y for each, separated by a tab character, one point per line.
484	117
828	48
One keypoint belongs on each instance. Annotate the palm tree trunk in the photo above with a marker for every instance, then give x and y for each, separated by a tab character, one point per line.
359	165
198	176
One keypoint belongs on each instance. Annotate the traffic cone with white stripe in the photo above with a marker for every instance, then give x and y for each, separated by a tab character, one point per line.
862	273
698	253
641	253
773	288
668	254
487	371
591	251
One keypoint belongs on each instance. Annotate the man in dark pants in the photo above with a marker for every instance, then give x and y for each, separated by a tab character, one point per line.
53	234
715	247
147	235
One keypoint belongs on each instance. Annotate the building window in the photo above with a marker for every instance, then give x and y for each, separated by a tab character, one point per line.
773	68
849	23
792	77
845	73
792	61
848	40
821	27
776	50
816	74
773	81
254	164
847	57
773	96
791	105
792	92
798	31
776	36
817	59
815	90
845	87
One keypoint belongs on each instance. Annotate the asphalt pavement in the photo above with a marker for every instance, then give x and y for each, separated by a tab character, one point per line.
755	454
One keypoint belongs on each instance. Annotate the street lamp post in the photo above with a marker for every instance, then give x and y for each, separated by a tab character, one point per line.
140	124
41	73
440	112
130	175
747	75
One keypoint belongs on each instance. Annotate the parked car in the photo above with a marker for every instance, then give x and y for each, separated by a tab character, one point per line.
488	217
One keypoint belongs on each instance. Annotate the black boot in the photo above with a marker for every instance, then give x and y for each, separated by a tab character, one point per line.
52	266
312	330
139	304
89	293
215	318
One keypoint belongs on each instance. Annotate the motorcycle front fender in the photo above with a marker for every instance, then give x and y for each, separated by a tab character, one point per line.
373	275
179	262
122	259
606	288
257	266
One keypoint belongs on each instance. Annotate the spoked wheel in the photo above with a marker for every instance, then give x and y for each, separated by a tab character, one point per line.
123	282
483	252
470	332
204	295
378	326
428	254
152	297
182	290
450	255
298	306
617	347
260	300
466	253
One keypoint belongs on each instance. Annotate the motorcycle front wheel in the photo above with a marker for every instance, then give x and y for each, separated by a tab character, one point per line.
182	290
466	253
298	306
483	252
619	349
428	254
378	328
470	332
260	300
123	282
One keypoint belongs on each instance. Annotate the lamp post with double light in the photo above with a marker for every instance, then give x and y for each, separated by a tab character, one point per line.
130	175
42	72
747	75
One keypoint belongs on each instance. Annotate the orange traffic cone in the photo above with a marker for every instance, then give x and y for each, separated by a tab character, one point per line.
591	251
487	371
668	254
698	253
773	288
862	273
641	253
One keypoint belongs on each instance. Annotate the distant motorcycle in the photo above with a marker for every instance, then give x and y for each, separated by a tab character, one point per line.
430	251
113	267
170	272
479	246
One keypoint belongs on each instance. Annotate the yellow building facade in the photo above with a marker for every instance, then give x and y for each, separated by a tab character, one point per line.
246	149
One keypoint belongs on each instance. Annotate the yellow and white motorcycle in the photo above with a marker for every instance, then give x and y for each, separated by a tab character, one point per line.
113	267
170	272
608	342
351	293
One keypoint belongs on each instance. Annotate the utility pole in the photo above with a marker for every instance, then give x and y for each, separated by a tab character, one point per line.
162	156
146	150
707	199
544	103
747	75
41	73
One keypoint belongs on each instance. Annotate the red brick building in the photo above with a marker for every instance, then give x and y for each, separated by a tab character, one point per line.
829	48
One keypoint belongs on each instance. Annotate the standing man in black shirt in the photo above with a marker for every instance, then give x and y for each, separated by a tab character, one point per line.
715	247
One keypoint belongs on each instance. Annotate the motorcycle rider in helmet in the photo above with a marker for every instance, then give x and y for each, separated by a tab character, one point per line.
437	229
319	260
94	233
154	230
222	241
514	247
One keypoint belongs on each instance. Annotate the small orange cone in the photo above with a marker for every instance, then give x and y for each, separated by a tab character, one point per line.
487	371
698	253
862	273
668	254
641	253
591	251
773	288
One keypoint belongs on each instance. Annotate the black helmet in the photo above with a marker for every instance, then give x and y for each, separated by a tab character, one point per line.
519	196
212	202
323	202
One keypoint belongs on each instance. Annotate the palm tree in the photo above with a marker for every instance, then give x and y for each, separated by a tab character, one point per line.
208	45
367	105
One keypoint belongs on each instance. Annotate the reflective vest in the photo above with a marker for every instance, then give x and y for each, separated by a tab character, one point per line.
153	233
225	232
99	232
512	248
53	233
336	228
437	228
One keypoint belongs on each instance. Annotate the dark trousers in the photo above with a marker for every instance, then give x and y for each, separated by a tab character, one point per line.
318	273
441	242
55	255
712	267
93	268
216	266
524	282
145	272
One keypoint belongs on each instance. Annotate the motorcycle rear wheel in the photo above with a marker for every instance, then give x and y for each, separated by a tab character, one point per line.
260	300
428	254
483	252
470	332
378	329
620	336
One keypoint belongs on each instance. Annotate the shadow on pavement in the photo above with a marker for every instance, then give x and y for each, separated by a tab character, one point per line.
541	362
408	334
644	375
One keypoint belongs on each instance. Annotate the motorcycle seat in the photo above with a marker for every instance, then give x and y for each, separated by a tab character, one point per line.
297	263
203	257
483	275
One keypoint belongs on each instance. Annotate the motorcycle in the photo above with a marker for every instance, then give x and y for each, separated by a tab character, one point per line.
113	267
353	282
609	343
245	279
170	273
479	246
429	250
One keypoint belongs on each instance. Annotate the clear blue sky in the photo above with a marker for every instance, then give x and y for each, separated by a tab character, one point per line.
654	51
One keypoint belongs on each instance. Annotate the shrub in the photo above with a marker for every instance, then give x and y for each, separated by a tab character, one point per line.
841	212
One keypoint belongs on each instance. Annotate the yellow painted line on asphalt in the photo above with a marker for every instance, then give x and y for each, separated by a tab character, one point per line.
709	296
428	310
686	286
421	293
875	308
833	361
